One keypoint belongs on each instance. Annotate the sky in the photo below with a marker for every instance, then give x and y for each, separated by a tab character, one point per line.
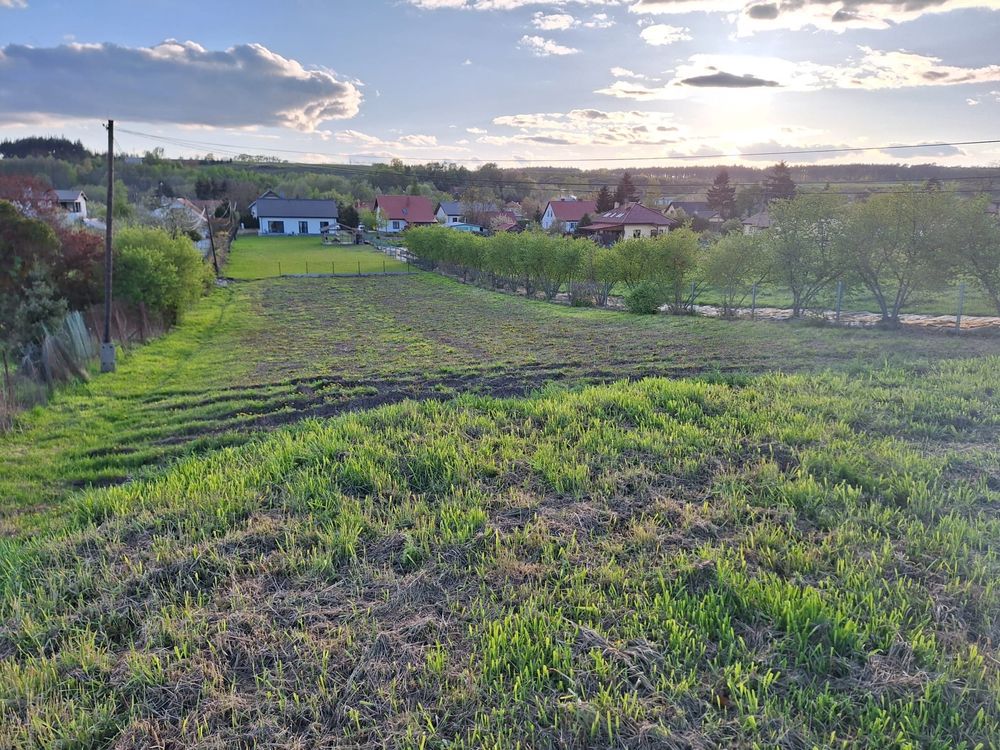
586	82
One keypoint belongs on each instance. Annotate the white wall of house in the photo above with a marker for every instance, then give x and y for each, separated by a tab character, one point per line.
271	225
548	218
446	218
389	225
77	210
644	230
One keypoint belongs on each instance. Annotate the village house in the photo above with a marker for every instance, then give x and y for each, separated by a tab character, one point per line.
631	221
449	212
757	222
568	212
692	210
394	213
293	216
73	202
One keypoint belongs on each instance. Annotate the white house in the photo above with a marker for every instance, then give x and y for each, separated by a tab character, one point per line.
567	211
293	215
449	212
74	202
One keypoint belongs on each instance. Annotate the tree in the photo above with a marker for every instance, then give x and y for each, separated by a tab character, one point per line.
349	217
778	184
676	262
975	236
722	196
897	244
805	238
626	192
748	200
29	250
605	201
734	264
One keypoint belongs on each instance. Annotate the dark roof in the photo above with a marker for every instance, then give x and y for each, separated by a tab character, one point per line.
69	196
565	210
696	208
760	220
457	208
413	209
630	213
297	208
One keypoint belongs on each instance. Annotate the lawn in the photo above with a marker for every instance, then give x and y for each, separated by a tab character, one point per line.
405	512
263	257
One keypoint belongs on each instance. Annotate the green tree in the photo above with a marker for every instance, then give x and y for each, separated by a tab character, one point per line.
897	244
975	237
778	184
733	264
748	200
722	196
605	200
805	238
626	192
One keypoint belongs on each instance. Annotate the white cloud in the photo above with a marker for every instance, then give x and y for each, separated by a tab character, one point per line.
406	142
476	131
599	21
871	70
618	72
972	102
587	127
831	15
467	61
542	47
553	21
13	3
172	82
661	34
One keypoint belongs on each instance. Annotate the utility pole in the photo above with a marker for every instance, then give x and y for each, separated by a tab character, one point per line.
107	346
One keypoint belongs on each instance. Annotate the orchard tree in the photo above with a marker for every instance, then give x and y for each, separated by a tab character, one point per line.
975	236
898	243
722	196
805	239
734	264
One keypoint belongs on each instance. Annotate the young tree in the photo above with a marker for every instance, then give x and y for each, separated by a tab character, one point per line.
805	238
626	192
722	196
975	237
734	264
897	244
605	201
778	184
349	217
676	264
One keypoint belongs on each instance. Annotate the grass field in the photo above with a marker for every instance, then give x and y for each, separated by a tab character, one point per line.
264	257
340	513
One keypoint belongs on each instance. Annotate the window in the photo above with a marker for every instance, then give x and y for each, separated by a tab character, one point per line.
324	225
395	225
275	227
454	219
654	232
637	233
303	227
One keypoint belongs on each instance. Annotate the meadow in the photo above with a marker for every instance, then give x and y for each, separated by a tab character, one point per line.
254	257
407	512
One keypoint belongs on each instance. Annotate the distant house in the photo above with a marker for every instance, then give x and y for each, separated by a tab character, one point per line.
394	213
500	221
758	222
633	220
449	212
692	209
514	208
568	212
74	202
293	216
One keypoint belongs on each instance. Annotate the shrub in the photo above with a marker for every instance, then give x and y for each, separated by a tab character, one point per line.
165	273
644	298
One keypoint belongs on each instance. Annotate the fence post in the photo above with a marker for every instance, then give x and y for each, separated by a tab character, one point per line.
359	268
307	268
753	303
961	305
383	268
840	298
279	268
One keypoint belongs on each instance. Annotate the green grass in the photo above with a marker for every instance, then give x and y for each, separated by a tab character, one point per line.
264	257
257	355
777	560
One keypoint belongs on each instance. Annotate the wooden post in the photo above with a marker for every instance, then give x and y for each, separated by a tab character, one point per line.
961	306
307	268
108	348
279	268
383	267
359	268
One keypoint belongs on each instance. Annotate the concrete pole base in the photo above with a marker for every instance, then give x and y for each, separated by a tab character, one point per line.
107	357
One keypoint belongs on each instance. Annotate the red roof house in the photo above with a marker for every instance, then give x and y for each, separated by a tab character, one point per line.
397	212
567	211
628	221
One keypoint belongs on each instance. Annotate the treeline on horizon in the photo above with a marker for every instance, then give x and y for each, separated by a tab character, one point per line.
150	177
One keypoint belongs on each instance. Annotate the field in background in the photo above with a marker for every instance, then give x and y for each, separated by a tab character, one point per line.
204	548
253	257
